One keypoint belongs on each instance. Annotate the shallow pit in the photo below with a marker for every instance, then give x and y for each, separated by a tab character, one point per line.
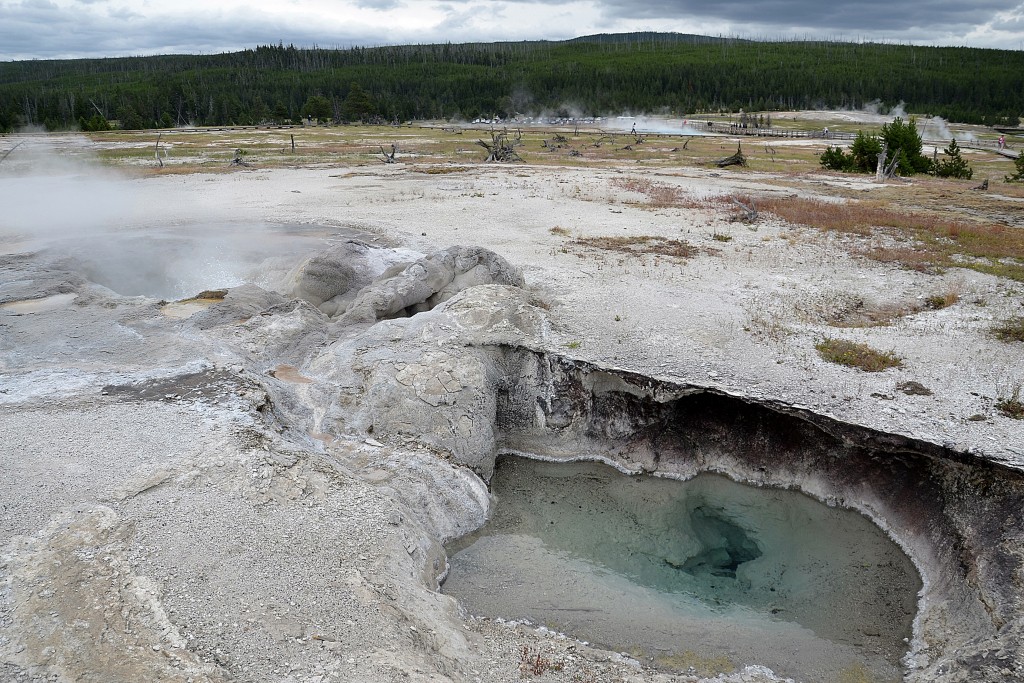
40	305
684	573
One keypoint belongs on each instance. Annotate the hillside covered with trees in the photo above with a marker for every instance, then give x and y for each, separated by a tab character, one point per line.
594	75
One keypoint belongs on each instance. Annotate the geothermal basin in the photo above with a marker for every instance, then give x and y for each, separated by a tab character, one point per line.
250	416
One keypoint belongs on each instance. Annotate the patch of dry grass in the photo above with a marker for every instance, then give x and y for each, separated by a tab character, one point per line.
1011	329
855	355
641	244
932	240
441	170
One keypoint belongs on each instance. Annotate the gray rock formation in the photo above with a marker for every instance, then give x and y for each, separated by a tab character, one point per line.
428	282
329	280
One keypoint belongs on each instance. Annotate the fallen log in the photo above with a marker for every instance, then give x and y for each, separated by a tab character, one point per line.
736	159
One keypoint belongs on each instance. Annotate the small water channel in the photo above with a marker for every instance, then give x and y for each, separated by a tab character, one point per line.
706	573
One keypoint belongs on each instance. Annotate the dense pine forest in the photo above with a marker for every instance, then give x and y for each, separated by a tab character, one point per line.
595	75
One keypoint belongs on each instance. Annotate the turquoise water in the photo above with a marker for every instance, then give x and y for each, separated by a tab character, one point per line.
708	566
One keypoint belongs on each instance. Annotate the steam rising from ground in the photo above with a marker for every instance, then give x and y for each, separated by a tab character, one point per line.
49	195
59	200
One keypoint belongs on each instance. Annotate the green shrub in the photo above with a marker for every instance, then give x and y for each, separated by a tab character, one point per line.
834	159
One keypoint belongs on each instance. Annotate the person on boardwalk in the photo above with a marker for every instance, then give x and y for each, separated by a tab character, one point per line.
1002	142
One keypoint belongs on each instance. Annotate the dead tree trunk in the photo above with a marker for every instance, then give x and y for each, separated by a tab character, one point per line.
880	169
389	158
736	159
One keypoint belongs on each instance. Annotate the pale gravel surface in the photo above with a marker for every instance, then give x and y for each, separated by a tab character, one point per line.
209	547
684	321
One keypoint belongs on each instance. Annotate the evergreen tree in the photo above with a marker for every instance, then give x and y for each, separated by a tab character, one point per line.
1017	177
834	159
955	166
319	108
905	142
865	150
358	105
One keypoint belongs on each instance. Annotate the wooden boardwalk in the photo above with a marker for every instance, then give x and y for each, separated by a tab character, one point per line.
841	136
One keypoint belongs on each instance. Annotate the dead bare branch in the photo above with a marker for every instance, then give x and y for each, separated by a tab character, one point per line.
8	152
749	214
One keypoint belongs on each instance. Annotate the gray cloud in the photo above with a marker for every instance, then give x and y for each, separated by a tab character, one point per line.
380	4
31	29
37	29
864	16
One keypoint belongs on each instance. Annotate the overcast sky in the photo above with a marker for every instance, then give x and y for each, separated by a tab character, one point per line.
45	29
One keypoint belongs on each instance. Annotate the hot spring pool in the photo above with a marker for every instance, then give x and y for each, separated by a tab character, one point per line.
706	573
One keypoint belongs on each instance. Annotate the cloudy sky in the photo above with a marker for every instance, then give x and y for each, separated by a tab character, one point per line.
43	29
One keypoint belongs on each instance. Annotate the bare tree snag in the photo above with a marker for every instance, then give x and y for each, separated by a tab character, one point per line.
157	151
880	169
736	159
389	158
983	186
239	159
502	147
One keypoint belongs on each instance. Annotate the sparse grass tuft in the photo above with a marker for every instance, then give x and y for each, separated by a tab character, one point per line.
1011	406
720	237
854	355
1011	329
534	663
936	302
560	231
